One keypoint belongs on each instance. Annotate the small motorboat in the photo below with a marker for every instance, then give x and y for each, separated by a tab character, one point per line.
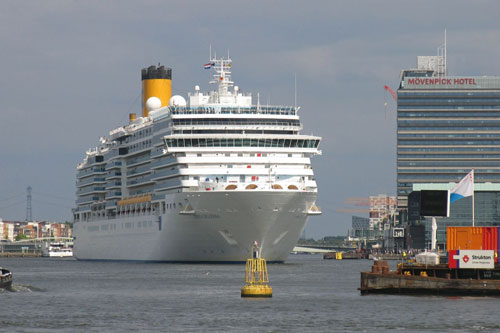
5	278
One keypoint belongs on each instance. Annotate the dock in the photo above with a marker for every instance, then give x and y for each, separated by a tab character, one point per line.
345	255
35	254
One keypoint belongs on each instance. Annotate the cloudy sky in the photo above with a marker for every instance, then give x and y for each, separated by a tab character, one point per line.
70	72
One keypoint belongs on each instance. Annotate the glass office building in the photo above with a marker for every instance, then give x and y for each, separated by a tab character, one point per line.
486	210
446	126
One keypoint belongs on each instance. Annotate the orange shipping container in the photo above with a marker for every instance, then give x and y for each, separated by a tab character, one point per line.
464	238
490	238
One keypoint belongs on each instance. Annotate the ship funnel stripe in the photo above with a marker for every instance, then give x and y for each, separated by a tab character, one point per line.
153	72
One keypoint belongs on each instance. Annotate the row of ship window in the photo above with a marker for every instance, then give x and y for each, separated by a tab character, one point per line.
146	157
221	122
239	142
140	145
180	122
139	134
238	131
126	225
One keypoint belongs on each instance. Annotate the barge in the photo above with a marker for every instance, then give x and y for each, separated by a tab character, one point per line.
433	279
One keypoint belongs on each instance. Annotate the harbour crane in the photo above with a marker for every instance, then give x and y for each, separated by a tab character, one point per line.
393	94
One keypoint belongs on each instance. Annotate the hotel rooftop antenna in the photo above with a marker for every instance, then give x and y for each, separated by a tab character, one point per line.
29	215
441	59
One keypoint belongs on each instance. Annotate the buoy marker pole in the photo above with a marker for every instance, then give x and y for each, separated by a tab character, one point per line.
256	276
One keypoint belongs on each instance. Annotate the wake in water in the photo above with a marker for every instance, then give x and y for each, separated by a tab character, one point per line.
15	287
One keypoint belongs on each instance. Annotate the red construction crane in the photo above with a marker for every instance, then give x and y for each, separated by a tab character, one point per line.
393	94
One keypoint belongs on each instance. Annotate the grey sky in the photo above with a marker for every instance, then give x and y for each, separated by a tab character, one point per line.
70	72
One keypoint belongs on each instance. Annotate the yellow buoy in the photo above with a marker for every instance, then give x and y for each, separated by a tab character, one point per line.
256	276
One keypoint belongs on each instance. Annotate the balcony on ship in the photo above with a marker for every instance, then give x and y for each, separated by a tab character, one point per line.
255	184
89	181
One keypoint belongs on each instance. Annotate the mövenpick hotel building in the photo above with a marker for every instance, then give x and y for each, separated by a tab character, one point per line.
446	126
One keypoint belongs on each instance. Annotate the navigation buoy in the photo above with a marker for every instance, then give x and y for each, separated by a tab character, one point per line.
256	276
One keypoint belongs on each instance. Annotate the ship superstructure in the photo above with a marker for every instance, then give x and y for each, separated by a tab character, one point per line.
196	180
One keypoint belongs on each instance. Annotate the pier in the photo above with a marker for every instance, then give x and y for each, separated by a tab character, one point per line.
28	248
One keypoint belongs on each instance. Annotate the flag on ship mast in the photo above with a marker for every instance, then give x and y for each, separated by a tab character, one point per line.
209	65
465	188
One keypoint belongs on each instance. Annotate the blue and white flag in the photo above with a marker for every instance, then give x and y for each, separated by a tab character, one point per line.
465	188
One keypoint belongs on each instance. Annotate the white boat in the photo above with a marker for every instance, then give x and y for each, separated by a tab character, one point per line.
196	180
56	250
5	278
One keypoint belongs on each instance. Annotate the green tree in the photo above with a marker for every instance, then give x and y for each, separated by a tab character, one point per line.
21	236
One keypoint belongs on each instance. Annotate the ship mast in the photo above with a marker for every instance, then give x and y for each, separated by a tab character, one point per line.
222	76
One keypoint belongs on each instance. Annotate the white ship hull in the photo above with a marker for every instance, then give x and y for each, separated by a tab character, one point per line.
59	254
221	227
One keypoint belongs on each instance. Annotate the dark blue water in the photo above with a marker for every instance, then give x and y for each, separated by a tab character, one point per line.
309	295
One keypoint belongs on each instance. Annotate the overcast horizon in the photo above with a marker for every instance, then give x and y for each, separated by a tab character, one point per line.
71	73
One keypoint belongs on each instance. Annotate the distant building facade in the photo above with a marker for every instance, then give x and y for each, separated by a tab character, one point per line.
6	231
9	230
360	222
369	232
362	233
382	210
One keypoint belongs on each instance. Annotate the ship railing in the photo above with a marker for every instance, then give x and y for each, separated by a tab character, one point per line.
240	127
139	180
88	181
138	170
139	159
163	162
96	189
275	110
86	199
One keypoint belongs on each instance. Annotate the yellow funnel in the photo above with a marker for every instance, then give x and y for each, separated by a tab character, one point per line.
156	82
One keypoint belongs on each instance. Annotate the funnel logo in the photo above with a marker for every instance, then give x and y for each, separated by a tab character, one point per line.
471	259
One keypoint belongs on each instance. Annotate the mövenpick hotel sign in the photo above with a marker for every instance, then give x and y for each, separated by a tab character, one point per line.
452	82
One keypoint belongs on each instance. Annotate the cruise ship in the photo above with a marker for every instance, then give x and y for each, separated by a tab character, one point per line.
197	178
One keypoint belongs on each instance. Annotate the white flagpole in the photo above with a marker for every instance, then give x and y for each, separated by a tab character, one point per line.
472	197
434	231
